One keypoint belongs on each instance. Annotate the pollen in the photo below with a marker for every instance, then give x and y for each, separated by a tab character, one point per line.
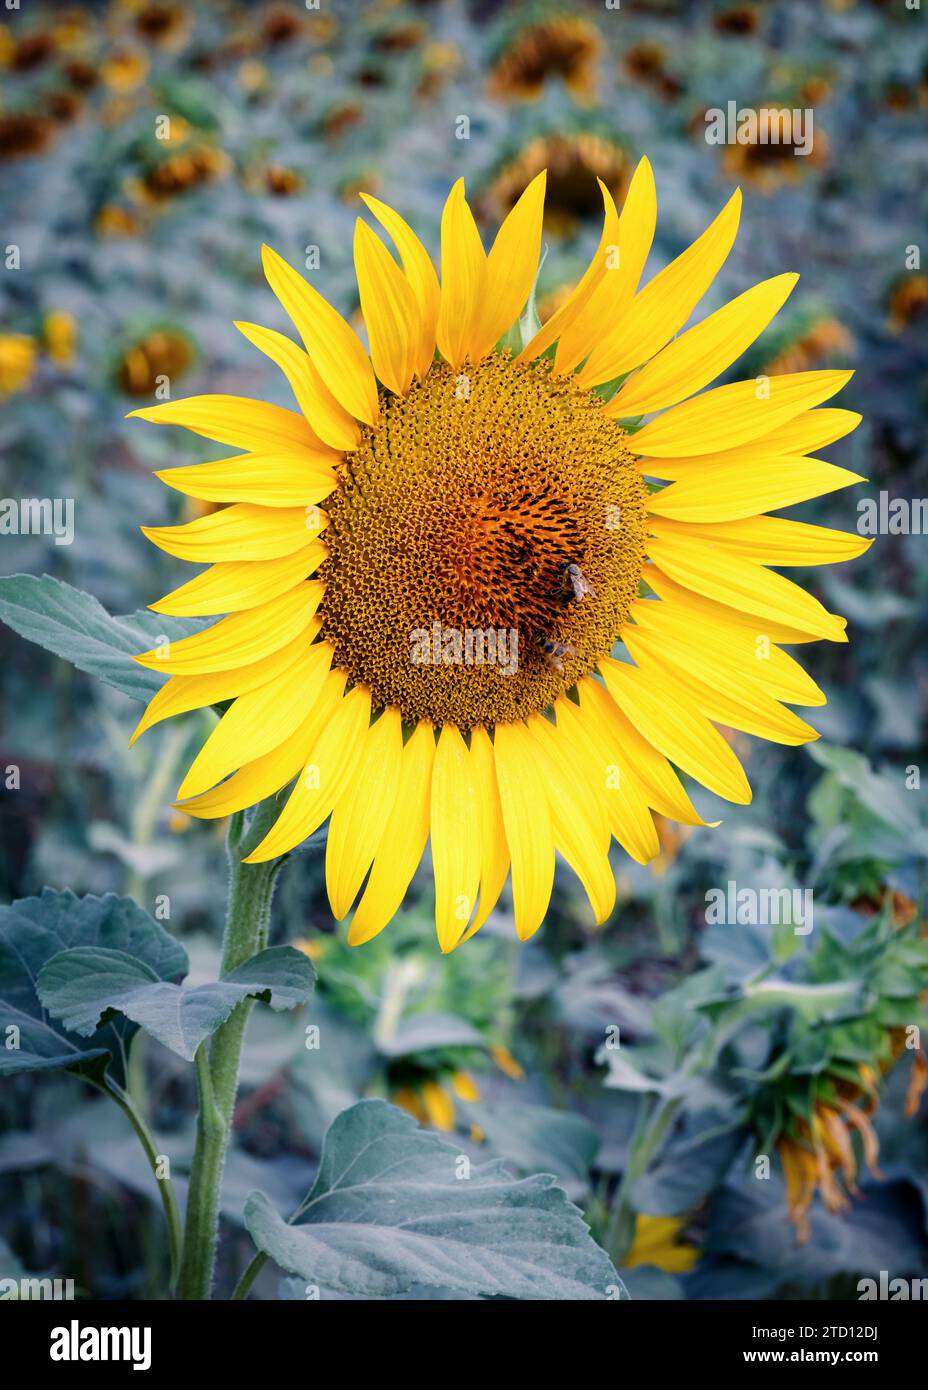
485	544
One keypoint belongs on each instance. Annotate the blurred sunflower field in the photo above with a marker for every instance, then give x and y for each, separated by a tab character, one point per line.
711	1085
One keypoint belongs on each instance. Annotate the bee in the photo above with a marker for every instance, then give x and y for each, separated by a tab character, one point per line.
576	585
553	653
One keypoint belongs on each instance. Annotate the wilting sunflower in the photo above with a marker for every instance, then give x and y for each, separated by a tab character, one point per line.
456	609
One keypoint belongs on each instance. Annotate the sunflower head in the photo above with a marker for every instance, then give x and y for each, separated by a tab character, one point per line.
489	586
573	165
563	46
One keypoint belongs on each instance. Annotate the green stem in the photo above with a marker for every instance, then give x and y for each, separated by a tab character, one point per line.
649	1135
248	1278
251	888
165	1186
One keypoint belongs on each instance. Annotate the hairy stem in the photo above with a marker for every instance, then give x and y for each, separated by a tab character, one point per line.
165	1186
251	888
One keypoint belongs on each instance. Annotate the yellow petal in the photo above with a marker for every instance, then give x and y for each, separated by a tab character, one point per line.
773	540
527	821
241	639
271	480
336	350
662	308
331	423
402	844
260	720
699	610
419	272
455	830
675	729
732	580
581	833
810	430
701	354
580	296
328	771
716	685
512	265
238	584
359	817
745	650
626	806
494	852
463	280
186	692
624	263
730	491
620	742
731	415
233	420
390	311
268	774
240	532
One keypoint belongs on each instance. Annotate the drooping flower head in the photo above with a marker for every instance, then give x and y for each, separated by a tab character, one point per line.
468	601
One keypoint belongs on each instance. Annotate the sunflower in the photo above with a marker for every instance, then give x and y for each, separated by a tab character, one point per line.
568	47
574	164
457	610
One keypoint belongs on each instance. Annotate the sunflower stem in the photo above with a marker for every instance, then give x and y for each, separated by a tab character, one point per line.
649	1135
251	889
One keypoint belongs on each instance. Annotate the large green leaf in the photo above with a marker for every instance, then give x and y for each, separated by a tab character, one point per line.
395	1207
35	930
73	625
535	1137
86	987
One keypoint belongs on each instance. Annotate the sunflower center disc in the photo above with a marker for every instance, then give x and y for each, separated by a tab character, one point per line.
485	544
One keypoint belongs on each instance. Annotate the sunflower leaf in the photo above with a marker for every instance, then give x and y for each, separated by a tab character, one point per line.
395	1208
86	987
34	931
73	625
